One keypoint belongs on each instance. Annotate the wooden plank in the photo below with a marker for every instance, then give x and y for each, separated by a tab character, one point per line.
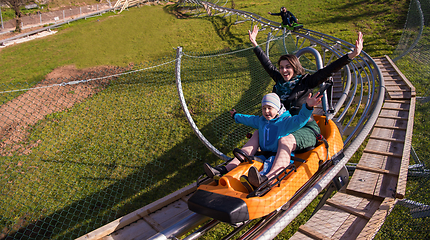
376	170
393	117
300	236
411	86
388	133
387	139
312	233
399	95
393	84
171	214
371	185
387	148
330	220
155	225
389	127
391	164
397	101
363	183
386	186
392	122
394	113
383	153
403	175
351	210
396	109
327	220
353	225
378	218
133	231
138	214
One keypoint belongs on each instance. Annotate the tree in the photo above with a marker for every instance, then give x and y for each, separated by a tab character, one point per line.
16	6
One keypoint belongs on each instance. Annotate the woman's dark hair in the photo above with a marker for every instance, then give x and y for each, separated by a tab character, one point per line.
295	63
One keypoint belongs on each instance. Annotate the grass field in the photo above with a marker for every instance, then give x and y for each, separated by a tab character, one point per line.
140	35
111	138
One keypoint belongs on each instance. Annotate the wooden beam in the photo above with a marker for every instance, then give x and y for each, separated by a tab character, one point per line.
386	139
410	85
353	211
389	127
403	174
393	117
406	101
376	170
138	214
153	223
396	109
390	154
312	233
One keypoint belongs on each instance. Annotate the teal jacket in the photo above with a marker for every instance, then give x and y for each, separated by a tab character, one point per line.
271	131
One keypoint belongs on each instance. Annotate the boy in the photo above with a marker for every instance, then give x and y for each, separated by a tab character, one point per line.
275	123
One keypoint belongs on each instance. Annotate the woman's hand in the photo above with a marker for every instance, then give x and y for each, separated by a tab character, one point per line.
314	100
358	46
253	35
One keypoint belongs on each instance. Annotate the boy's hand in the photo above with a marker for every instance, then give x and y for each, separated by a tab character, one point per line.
232	112
314	100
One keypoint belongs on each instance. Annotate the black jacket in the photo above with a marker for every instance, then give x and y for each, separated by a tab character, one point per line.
306	83
285	16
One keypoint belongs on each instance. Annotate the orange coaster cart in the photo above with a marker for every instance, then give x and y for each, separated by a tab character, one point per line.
229	201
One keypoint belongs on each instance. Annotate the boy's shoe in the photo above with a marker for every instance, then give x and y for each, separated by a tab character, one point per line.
255	178
245	182
214	171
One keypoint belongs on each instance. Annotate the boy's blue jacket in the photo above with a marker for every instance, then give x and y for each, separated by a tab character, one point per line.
271	131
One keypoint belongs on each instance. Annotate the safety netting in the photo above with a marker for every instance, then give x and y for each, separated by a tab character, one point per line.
79	152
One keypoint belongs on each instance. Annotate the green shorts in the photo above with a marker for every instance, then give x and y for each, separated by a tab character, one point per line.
305	137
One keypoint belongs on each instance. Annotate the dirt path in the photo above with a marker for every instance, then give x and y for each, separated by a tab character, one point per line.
18	115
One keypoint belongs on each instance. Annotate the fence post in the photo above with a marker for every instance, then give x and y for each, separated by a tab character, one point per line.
40	17
64	16
1	17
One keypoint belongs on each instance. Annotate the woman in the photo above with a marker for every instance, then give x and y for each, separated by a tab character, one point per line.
293	86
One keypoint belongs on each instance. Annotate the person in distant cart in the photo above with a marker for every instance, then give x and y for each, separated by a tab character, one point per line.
288	19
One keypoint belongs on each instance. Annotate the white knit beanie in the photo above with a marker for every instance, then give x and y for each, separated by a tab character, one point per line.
272	100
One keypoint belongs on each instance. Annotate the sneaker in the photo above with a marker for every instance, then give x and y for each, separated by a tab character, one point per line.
245	182
214	171
255	178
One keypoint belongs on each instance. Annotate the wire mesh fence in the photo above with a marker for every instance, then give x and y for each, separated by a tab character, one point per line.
79	152
411	221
